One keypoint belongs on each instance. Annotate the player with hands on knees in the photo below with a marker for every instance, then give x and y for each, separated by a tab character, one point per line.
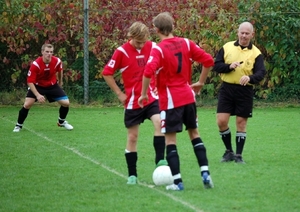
45	81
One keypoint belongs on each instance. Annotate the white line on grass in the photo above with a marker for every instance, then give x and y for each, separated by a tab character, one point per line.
77	152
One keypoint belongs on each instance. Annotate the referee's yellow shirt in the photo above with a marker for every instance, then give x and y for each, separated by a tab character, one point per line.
233	53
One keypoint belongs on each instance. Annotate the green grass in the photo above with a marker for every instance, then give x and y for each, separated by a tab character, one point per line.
46	168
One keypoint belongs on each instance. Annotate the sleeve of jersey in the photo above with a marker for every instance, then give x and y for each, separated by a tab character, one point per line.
31	75
220	65
153	63
201	56
113	64
60	66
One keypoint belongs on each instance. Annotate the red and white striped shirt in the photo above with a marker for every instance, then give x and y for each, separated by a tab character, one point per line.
131	63
171	60
43	74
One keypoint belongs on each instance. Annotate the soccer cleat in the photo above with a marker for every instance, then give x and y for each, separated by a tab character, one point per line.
207	181
228	156
17	128
239	159
66	125
162	163
175	187
132	180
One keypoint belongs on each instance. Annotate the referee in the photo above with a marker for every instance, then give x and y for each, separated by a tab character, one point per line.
240	65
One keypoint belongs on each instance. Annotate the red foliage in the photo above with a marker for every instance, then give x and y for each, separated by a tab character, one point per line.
61	23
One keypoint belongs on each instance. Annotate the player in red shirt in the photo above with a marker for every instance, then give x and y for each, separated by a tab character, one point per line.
42	82
171	62
130	59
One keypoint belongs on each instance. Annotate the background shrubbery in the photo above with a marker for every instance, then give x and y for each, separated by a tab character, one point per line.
26	25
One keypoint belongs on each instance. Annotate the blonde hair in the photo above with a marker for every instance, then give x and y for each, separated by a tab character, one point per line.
164	22
138	31
48	45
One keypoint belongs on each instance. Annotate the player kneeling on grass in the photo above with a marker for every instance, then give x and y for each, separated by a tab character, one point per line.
171	61
42	82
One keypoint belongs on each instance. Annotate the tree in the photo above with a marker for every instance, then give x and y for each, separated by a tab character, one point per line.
27	24
277	25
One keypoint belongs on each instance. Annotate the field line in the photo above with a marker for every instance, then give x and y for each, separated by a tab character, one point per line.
77	152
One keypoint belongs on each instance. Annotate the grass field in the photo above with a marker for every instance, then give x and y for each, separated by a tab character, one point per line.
46	168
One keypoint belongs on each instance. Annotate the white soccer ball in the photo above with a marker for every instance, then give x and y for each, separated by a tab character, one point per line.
162	176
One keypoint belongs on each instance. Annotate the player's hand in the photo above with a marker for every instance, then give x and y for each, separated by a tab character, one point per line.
244	80
41	99
142	99
60	83
155	91
197	87
122	97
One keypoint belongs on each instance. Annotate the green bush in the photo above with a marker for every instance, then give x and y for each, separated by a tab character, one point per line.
26	25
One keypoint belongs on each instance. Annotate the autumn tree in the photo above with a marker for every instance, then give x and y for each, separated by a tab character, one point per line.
27	24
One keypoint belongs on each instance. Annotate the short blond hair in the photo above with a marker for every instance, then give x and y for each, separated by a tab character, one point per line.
48	45
164	22
138	31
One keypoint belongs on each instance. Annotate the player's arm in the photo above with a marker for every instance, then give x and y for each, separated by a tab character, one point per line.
204	74
202	79
33	89
207	62
31	80
144	96
149	71
110	81
59	72
201	56
59	77
108	72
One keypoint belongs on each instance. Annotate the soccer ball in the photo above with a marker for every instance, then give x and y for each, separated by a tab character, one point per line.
162	176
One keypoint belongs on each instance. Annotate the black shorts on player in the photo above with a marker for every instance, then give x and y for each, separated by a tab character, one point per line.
186	115
138	116
53	93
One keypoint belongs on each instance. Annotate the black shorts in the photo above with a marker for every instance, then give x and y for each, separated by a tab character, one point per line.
173	119
133	117
53	93
235	99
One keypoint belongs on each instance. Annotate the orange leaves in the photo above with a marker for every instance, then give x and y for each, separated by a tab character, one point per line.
48	17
